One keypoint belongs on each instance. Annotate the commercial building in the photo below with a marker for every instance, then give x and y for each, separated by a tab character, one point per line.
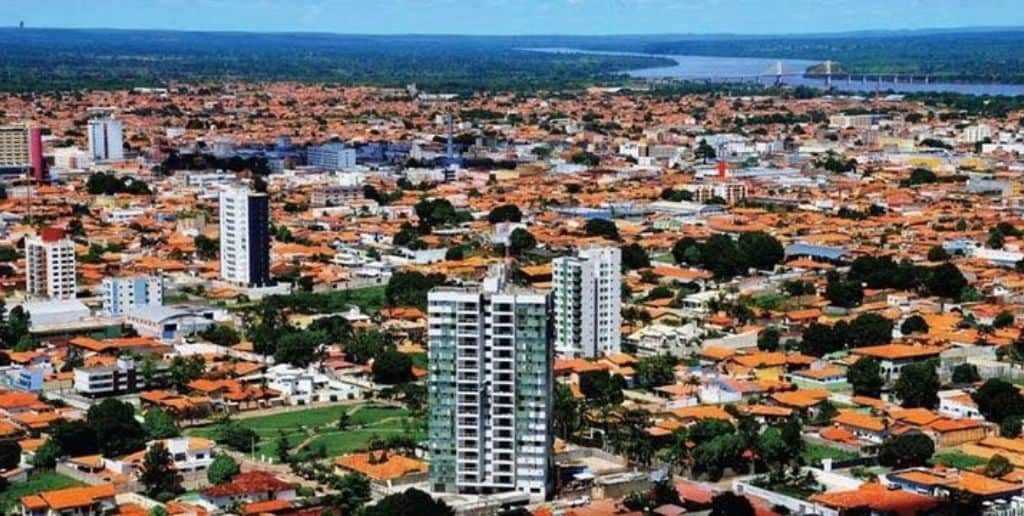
126	376
21	149
50	265
588	305
106	138
490	388
122	295
336	195
245	237
333	156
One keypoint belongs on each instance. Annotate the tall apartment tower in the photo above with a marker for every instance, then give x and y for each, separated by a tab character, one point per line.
490	389
105	138
245	237
588	305
122	295
50	265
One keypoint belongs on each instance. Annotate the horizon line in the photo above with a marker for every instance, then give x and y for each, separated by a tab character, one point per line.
858	32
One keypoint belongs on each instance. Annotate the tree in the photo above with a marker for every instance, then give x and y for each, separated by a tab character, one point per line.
686	250
946	280
866	377
1003	320
392	367
235	436
455	253
602	388
206	248
1010	427
768	339
869	329
938	254
157	510
74	438
998	399
820	339
965	373
918	385
353	492
760	250
117	431
158	473
409	288
602	228
159	425
998	466
10	455
634	257
567	412
222	469
843	292
906	451
914	324
520	241
731	504
222	335
184	370
704	151
299	347
411	502
505	213
655	371
47	454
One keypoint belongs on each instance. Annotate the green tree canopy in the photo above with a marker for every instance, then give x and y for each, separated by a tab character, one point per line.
159	425
906	451
865	376
117	431
918	385
222	469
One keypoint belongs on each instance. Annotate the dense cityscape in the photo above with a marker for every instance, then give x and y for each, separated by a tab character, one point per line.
625	296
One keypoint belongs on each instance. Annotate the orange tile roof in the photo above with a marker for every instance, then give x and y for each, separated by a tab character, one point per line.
859	420
803	398
878	498
69	498
898	351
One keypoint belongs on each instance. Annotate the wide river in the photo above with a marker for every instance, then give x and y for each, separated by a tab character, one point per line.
701	68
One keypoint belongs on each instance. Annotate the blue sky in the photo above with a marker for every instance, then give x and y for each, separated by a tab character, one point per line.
516	16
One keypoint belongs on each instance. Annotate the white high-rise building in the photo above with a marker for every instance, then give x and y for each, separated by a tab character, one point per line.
122	295
245	237
490	390
105	138
331	156
50	266
588	302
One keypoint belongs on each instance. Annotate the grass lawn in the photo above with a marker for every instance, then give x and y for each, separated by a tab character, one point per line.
958	460
318	426
368	299
814	453
37	482
664	258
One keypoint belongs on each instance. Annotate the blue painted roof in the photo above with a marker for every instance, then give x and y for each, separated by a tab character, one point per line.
818	251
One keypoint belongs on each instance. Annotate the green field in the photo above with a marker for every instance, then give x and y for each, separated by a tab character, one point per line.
313	427
814	453
958	460
37	483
